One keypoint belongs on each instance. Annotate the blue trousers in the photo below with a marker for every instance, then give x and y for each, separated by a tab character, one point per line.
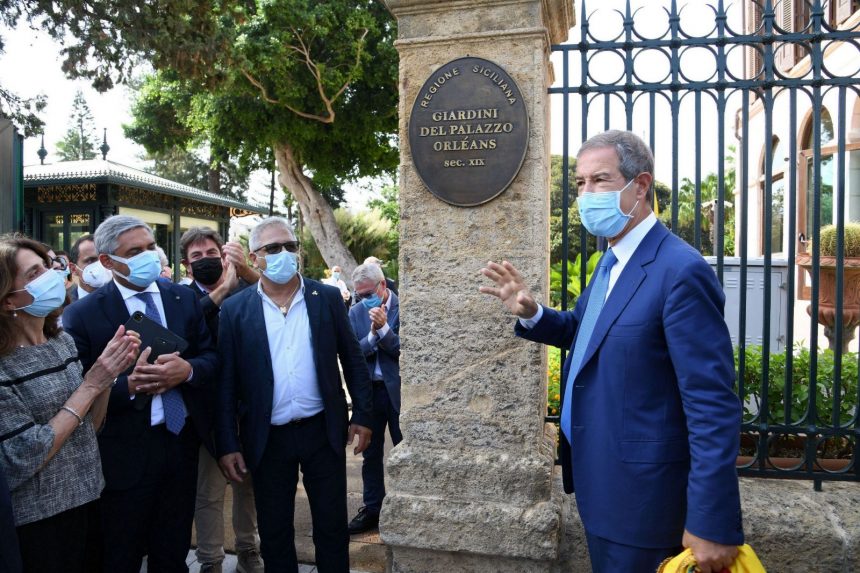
610	557
372	471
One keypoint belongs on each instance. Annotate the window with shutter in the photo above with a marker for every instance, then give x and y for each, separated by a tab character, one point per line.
754	54
844	9
784	52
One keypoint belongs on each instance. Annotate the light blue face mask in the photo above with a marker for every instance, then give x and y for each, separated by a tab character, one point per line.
143	268
601	212
281	267
372	302
335	275
48	292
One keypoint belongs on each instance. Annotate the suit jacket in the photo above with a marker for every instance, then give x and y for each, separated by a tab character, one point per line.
655	422
246	384
92	322
211	312
387	348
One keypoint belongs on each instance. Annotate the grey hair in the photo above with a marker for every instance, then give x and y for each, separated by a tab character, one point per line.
254	239
368	271
107	235
634	156
162	256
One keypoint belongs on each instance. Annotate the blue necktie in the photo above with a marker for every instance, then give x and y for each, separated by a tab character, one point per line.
595	303
171	401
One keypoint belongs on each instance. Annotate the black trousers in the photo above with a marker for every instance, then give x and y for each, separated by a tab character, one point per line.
290	448
56	544
372	471
154	517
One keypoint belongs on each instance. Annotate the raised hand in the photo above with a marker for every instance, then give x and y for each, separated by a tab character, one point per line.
510	288
118	355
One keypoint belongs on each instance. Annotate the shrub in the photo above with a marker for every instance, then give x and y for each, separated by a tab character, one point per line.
799	400
553	399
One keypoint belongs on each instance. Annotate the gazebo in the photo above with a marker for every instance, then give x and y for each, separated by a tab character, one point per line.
65	200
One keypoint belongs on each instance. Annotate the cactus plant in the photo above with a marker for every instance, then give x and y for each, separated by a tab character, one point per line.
852	240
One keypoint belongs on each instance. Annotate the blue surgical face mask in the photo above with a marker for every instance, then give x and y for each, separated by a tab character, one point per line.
335	275
601	212
372	302
48	292
143	268
281	267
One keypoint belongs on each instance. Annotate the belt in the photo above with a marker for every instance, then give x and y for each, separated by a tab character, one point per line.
300	421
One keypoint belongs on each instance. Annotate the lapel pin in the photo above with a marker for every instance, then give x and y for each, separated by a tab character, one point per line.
314	293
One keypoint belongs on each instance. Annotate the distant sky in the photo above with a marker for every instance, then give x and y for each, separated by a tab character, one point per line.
31	65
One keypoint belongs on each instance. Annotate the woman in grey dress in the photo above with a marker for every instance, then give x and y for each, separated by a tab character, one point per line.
50	412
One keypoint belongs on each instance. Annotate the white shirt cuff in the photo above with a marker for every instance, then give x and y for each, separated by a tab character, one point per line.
530	323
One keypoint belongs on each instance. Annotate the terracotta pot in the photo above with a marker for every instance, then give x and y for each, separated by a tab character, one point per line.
827	294
825	464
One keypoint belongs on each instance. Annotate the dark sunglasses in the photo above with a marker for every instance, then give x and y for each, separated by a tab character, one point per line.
60	261
275	248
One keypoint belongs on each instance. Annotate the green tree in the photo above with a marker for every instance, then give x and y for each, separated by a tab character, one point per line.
388	206
187	167
707	207
79	143
366	233
313	82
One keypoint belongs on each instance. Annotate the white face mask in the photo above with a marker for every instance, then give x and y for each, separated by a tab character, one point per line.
95	275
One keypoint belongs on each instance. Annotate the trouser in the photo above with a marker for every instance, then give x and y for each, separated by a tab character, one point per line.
290	447
56	544
611	557
154	516
209	512
372	470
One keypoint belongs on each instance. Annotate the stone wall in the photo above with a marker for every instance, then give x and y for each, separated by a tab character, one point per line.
469	488
791	527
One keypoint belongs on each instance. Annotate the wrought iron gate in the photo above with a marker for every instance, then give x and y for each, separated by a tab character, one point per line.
765	96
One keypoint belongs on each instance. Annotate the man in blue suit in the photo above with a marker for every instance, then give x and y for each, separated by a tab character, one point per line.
376	321
279	344
150	438
650	423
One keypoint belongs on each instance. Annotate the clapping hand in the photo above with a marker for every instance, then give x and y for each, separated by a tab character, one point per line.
510	288
118	355
378	318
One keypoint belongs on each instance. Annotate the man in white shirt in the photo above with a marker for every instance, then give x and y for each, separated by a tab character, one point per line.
280	343
336	280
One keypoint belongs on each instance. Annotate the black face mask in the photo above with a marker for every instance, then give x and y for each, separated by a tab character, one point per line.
207	271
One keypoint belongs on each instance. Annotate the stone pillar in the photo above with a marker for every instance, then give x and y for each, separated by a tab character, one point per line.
470	488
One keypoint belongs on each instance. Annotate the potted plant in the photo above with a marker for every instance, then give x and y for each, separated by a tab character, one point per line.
790	450
827	282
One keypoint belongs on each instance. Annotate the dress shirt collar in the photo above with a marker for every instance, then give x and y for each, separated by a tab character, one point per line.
81	292
128	293
626	246
300	294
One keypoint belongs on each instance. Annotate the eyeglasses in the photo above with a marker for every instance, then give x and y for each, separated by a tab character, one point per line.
275	248
362	296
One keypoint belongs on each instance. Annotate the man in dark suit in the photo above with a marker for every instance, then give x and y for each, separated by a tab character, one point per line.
216	269
376	321
149	441
650	423
279	346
